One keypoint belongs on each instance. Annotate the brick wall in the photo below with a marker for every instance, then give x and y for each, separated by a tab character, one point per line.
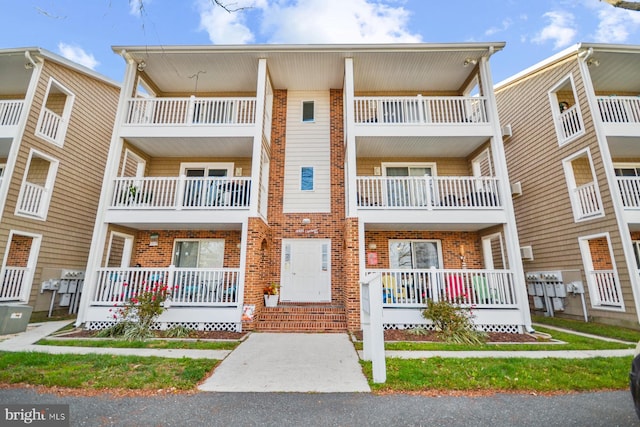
19	251
600	255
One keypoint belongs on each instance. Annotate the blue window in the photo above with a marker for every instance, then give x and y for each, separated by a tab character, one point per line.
306	178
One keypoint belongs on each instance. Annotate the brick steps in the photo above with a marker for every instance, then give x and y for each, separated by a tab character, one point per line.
302	318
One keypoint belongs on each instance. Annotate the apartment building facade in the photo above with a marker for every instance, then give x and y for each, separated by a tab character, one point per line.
574	158
311	167
56	119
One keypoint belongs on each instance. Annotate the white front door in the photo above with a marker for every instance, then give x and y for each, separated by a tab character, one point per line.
306	270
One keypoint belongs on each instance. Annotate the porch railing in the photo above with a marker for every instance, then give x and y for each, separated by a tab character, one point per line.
607	288
412	288
570	123
629	188
587	200
191	111
10	111
442	192
50	125
12	283
419	109
181	193
31	199
187	286
619	109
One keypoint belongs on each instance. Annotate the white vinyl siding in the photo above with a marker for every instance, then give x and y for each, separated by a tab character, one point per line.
308	146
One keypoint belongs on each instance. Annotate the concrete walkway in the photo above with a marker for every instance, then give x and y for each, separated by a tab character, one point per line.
283	362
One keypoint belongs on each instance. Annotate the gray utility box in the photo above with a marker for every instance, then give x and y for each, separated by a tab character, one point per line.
14	318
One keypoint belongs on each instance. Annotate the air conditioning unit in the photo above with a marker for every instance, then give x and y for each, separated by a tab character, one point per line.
516	189
526	253
507	131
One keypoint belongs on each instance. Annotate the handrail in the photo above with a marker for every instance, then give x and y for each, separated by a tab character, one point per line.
619	109
10	111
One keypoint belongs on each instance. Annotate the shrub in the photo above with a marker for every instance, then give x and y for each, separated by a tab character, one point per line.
453	322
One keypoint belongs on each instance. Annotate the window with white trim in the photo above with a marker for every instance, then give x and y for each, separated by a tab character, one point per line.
37	185
566	111
600	270
55	114
583	187
308	111
409	254
198	253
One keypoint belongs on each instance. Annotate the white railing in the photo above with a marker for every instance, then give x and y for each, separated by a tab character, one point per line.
187	286
629	187
181	193
442	192
607	290
10	111
569	123
412	288
191	111
420	110
12	283
50	125
619	109
31	199
587	200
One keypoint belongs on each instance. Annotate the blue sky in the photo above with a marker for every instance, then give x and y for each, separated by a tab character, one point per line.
85	30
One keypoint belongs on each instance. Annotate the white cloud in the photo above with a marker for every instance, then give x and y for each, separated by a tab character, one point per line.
506	23
561	29
336	21
308	21
615	24
78	55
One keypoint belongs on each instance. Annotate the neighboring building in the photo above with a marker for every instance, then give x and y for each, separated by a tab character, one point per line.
574	157
56	119
309	166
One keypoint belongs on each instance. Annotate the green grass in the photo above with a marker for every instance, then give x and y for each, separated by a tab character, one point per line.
156	344
102	371
599	329
506	375
573	342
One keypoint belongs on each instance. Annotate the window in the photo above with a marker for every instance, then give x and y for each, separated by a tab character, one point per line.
566	111
37	186
306	178
582	185
627	170
199	253
308	114
409	254
55	114
600	270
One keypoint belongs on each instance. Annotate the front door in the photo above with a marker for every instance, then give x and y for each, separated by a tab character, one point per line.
306	270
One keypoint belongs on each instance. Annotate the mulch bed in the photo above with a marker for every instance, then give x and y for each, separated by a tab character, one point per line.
203	335
432	336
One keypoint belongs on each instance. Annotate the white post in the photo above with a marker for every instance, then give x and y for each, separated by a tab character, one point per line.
372	332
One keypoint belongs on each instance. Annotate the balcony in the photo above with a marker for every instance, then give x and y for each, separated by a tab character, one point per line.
586	201
33	199
606	286
13	281
428	193
178	193
10	112
188	287
569	124
620	114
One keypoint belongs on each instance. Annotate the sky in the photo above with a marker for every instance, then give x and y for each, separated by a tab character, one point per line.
84	30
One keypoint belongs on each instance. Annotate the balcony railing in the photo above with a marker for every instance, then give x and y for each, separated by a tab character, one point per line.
191	111
607	290
442	192
569	123
187	286
181	193
412	288
31	199
619	109
50	125
10	111
420	110
629	187
12	283
587	200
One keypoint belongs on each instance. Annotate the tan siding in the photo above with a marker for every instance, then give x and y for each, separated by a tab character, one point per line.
170	166
543	213
444	166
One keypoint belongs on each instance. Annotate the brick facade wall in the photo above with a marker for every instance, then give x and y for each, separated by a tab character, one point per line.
19	251
600	255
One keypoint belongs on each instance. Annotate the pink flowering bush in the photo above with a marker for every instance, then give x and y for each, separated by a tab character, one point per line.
135	319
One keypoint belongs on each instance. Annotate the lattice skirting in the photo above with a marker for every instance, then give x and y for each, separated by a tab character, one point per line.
161	326
510	329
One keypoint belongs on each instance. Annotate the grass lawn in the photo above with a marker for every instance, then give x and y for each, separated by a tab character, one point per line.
504	375
156	344
609	331
102	371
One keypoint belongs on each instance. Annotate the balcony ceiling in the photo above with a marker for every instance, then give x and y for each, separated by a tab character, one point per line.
417	146
393	67
15	77
617	72
194	147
